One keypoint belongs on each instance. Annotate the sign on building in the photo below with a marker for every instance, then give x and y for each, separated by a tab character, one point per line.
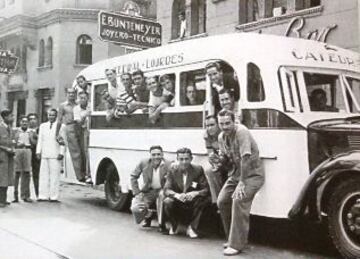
8	62
128	30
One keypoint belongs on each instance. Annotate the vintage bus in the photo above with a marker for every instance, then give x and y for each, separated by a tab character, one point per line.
309	152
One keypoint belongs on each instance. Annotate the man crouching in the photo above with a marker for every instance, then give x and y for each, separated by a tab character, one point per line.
187	193
153	171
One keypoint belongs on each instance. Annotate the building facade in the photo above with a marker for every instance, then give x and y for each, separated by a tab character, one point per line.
336	22
54	40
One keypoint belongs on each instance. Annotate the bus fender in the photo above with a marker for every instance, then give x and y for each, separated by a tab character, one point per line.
309	200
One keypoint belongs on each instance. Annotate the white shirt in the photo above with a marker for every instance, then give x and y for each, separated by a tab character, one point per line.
24	137
155	183
79	114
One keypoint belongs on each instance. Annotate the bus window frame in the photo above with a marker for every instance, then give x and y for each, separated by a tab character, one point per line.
94	83
288	90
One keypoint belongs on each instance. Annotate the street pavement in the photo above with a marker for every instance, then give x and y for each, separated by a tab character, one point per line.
81	226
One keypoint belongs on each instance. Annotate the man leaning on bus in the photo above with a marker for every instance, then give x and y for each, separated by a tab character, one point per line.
153	171
245	178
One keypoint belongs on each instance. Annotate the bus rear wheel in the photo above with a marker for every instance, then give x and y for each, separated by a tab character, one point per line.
344	218
115	198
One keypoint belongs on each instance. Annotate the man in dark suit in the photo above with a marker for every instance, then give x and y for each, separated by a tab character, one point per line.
7	154
187	193
220	81
153	171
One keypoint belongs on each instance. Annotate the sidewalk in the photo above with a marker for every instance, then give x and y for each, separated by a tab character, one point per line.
15	247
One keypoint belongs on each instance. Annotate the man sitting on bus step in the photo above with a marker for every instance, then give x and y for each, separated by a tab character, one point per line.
227	102
153	171
220	81
318	101
245	178
187	194
141	93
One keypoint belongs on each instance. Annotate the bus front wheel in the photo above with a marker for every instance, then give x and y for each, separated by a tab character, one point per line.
115	198
344	217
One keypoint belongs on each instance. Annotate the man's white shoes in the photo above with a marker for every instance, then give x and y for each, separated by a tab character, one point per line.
191	233
231	251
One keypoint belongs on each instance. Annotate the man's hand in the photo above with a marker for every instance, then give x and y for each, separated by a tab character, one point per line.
180	196
191	195
11	152
60	157
239	192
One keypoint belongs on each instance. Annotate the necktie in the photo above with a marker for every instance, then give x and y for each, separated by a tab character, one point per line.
51	123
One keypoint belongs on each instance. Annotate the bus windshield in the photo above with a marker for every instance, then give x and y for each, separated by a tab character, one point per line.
332	92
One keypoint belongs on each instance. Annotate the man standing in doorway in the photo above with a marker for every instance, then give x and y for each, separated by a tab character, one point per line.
245	178
81	116
22	161
50	150
7	154
66	116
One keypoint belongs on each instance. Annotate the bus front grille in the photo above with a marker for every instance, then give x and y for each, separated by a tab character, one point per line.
354	141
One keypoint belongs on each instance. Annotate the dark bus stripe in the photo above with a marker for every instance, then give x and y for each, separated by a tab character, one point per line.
141	121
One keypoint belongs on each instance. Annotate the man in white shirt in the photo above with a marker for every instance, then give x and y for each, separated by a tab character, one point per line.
22	161
50	150
182	20
153	171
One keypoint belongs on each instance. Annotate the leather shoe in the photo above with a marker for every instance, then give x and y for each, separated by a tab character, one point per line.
54	200
147	223
27	200
163	230
16	200
231	251
7	203
191	233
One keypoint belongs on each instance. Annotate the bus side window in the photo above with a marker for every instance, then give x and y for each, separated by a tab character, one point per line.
255	86
99	102
193	87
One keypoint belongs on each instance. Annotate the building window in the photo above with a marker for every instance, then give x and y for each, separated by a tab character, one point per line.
41	53
49	52
188	19
84	50
254	10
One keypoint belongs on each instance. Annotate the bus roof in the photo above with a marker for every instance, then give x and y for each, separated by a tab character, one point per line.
269	50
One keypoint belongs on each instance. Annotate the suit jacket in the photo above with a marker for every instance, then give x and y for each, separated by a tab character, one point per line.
145	169
195	181
47	144
6	160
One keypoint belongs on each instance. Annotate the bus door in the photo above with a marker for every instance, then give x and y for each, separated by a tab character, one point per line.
268	104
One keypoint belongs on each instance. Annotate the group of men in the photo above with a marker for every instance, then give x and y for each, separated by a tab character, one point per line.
180	190
30	150
39	150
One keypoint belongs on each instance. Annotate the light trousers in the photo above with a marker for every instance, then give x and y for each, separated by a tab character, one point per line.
49	182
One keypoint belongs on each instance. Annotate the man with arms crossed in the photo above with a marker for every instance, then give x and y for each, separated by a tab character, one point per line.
244	180
153	171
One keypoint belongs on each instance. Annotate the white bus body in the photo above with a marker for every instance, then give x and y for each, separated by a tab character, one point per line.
279	116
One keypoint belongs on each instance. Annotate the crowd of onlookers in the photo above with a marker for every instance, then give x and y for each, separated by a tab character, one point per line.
176	191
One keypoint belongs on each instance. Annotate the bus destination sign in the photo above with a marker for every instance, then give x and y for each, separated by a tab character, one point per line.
8	62
129	30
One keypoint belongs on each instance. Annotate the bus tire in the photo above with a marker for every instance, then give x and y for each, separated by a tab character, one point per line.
344	217
116	200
